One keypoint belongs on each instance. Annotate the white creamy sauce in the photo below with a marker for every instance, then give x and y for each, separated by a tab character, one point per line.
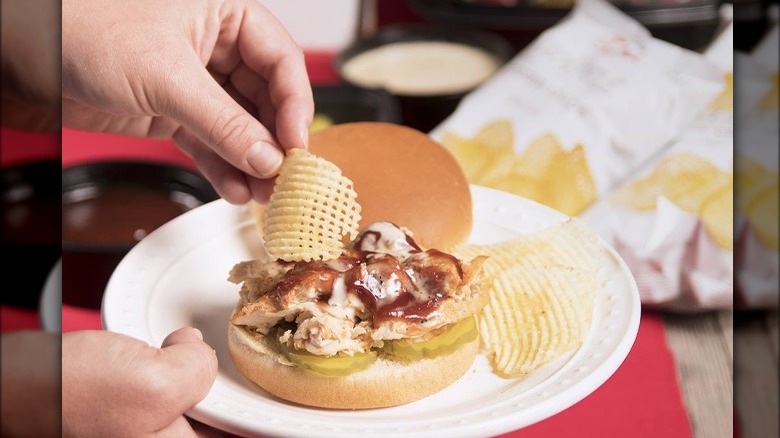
421	67
391	240
420	292
391	288
339	294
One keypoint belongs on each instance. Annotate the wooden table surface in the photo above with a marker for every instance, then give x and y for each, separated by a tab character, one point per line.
708	362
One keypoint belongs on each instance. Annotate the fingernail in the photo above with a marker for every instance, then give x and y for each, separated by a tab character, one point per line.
305	137
264	158
198	333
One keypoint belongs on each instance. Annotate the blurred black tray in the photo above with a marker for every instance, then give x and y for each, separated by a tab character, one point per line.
691	24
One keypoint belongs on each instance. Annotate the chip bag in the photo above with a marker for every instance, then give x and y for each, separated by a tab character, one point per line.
672	219
571	115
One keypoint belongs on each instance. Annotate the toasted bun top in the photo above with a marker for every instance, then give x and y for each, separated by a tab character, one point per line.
403	176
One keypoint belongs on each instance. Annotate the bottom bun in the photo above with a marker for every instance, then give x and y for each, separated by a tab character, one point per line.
385	383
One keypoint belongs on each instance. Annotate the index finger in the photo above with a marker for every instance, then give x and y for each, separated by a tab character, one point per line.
267	48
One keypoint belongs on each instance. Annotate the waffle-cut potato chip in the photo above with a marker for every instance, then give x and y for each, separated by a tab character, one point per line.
312	208
762	213
534	315
725	100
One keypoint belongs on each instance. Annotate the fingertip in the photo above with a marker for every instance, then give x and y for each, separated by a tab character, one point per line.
305	136
293	123
183	335
190	339
265	158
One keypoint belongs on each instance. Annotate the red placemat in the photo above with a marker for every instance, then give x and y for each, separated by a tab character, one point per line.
20	147
642	398
13	319
84	147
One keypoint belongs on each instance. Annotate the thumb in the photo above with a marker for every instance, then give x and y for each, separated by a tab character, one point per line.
190	366
195	100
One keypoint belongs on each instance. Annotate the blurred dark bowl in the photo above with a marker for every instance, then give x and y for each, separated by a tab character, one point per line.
344	103
30	229
424	112
107	207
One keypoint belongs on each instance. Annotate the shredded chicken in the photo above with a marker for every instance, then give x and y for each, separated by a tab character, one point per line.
330	320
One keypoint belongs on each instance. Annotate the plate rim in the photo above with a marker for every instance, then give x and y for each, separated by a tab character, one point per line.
50	305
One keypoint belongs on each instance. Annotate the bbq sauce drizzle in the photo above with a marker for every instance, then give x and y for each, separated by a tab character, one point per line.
387	287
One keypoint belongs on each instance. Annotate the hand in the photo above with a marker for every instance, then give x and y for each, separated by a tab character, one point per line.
30	384
114	385
30	65
222	78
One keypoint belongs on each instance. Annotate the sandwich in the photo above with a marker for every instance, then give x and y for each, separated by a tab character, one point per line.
388	320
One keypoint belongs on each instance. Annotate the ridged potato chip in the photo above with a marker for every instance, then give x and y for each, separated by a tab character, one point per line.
312	208
570	243
535	315
542	295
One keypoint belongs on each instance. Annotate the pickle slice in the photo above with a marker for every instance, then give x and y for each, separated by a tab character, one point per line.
338	365
445	343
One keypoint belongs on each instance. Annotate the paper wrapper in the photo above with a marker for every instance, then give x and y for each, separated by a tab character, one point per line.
756	252
570	116
672	220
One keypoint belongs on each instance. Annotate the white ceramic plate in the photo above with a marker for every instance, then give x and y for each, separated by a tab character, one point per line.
177	277
50	307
